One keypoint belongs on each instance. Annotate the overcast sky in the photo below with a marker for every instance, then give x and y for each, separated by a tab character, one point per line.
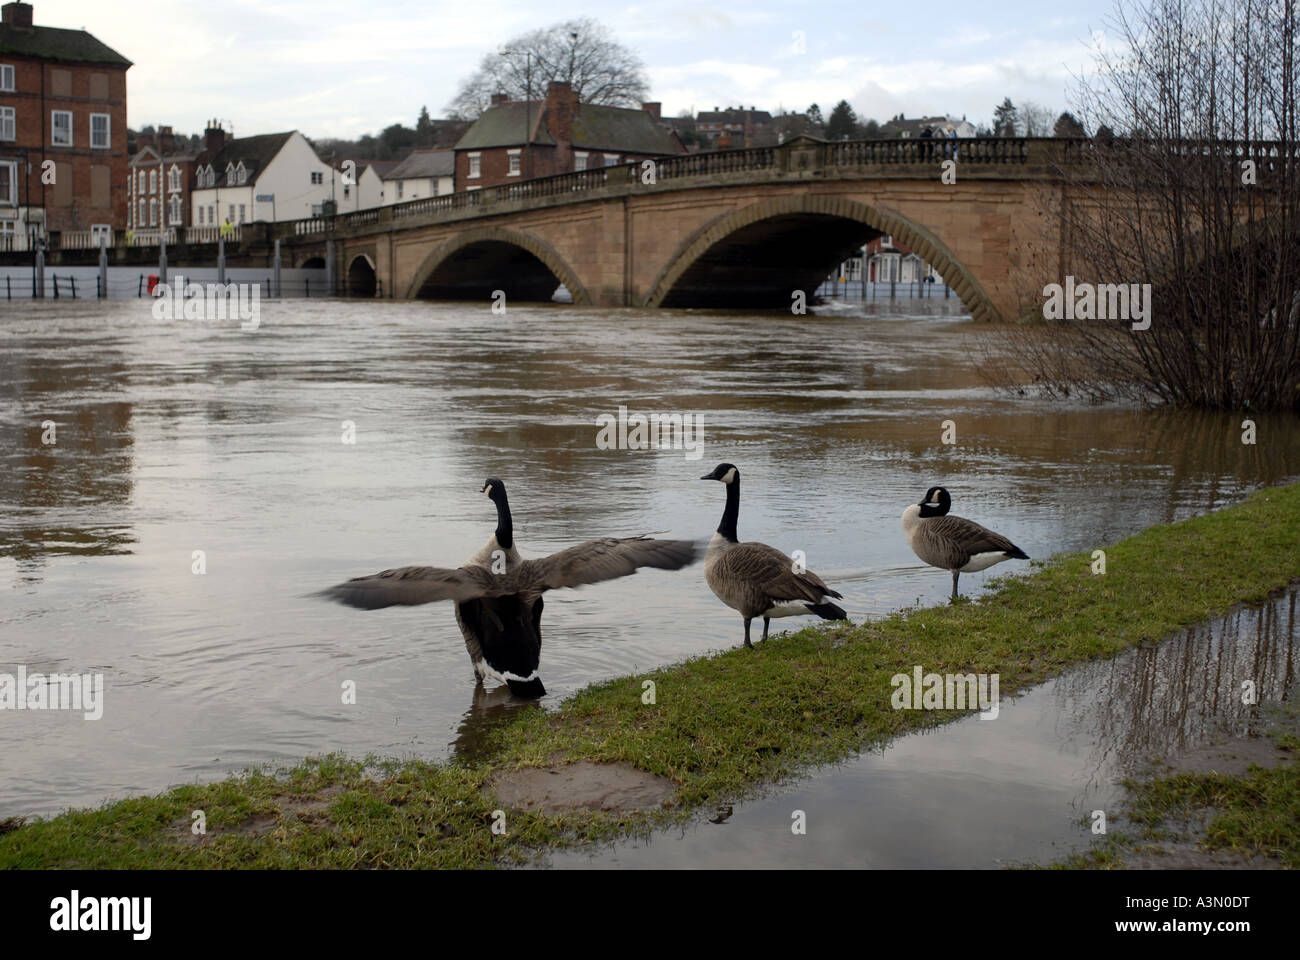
347	67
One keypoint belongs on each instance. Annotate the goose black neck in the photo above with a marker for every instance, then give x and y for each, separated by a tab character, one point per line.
505	526
732	512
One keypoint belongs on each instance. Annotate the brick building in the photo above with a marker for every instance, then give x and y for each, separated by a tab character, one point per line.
563	135
159	179
736	127
62	100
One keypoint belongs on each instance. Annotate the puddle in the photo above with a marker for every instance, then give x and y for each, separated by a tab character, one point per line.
996	793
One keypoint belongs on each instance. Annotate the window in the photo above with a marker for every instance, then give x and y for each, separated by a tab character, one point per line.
241	213
347	191
153	212
579	160
9	182
140	179
8	123
231	215
611	159
514	163
61	128
7	77
241	174
99	86
230	173
139	218
153	181
316	209
100	125
174	180
317	178
174	211
61	83
200	216
400	190
212	214
474	165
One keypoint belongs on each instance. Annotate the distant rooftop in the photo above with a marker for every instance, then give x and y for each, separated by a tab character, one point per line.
423	165
20	38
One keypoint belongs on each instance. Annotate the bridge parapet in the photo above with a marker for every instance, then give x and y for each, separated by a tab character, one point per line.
982	158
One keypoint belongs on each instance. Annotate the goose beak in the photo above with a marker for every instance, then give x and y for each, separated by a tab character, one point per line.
707	476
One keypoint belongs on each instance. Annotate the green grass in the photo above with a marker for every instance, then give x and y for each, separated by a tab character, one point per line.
1256	813
721	726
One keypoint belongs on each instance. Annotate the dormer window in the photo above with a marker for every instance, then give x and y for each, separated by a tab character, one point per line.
241	173
230	173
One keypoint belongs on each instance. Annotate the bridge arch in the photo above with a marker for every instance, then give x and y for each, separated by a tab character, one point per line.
713	238
360	277
495	243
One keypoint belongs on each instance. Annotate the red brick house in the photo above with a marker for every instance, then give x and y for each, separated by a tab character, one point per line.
563	135
62	99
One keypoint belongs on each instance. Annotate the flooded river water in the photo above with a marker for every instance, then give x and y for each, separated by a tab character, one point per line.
173	438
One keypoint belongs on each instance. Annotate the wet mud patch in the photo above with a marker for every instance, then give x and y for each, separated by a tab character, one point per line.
305	808
561	788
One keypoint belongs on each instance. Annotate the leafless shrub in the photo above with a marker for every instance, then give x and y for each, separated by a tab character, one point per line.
1197	194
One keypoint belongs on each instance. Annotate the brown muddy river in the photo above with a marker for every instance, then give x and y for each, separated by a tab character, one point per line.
181	437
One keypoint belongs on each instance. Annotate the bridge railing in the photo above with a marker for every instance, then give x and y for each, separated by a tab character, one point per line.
448	201
802	153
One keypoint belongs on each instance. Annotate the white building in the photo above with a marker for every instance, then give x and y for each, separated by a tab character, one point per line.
425	173
368	190
272	177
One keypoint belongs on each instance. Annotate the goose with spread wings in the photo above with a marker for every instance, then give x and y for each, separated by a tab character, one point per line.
758	580
498	594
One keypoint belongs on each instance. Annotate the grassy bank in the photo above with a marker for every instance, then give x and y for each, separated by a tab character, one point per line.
719	726
1187	818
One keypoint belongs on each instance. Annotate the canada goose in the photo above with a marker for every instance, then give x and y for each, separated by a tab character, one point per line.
953	543
498	594
756	579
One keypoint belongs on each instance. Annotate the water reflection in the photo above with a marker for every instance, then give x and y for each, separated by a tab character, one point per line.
490	710
66	453
979	793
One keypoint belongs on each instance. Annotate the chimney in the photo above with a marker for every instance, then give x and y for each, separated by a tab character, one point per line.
561	108
166	141
499	98
652	108
214	139
16	14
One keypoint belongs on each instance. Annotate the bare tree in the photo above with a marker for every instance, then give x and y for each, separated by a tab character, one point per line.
1036	119
1198	195
581	52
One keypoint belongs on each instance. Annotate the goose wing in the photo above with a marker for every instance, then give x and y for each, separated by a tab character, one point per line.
771	571
607	559
409	586
968	537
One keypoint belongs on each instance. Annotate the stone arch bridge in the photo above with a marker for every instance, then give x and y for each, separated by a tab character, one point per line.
737	228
